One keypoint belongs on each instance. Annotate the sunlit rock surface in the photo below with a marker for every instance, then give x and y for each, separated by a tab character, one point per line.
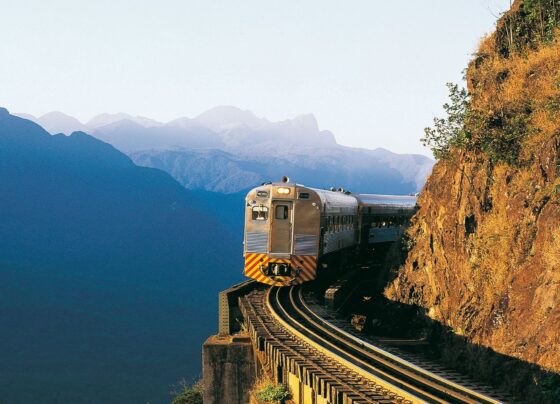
485	244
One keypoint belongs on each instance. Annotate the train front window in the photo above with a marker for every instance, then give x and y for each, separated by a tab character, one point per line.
281	212
259	213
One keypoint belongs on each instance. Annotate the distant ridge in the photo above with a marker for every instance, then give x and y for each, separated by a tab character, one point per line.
218	118
227	149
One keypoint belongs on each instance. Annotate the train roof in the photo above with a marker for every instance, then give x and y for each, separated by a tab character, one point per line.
394	201
333	201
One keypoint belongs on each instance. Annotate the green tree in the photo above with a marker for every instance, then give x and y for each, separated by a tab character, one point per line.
451	131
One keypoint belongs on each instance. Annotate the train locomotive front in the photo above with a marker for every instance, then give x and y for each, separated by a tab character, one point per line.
285	234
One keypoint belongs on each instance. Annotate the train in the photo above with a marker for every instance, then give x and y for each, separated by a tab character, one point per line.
292	232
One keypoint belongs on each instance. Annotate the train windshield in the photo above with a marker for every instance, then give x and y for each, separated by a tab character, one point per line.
281	212
260	213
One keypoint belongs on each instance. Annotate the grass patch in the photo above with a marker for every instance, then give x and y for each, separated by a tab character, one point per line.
269	392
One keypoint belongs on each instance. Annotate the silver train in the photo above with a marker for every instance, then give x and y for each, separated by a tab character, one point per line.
291	231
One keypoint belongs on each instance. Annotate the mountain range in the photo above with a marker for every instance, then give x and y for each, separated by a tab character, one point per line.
114	244
229	150
108	271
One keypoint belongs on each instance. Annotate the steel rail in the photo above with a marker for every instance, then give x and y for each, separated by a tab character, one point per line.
358	395
294	326
436	384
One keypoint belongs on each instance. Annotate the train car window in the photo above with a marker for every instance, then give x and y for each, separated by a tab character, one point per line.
303	195
281	212
259	213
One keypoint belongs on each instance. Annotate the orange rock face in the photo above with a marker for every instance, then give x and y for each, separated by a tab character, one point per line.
485	243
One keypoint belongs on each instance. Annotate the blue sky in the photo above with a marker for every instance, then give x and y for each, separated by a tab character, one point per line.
371	71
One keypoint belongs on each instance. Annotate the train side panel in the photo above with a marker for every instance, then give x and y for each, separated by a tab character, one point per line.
382	218
339	221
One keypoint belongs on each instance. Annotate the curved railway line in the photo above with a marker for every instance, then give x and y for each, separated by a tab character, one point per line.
285	352
339	366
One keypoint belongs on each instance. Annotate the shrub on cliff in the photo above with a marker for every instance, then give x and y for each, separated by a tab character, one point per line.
530	23
189	394
273	393
513	89
449	132
498	134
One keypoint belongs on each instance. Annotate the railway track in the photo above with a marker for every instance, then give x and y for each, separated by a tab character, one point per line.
286	351
393	347
359	371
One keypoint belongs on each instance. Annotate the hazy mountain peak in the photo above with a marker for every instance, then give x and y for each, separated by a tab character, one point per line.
183	122
328	138
58	122
58	115
4	111
145	122
106	119
308	122
227	115
125	123
54	122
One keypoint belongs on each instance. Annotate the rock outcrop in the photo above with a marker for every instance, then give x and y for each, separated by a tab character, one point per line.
484	247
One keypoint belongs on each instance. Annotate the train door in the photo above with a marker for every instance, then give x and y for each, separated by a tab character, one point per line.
281	227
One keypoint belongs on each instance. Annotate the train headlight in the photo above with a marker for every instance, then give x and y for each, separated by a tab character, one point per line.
284	190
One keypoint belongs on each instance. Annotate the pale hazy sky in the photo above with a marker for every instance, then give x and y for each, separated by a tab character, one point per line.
372	71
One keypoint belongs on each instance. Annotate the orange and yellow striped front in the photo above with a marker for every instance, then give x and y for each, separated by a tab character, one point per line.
307	263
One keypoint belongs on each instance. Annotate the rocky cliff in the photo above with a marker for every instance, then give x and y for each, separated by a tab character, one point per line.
484	247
